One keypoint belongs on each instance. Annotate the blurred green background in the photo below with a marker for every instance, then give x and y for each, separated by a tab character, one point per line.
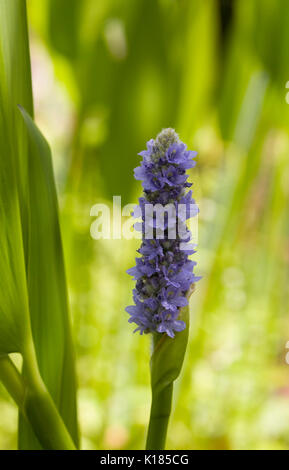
107	76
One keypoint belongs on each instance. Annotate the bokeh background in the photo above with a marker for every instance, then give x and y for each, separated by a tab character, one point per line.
107	76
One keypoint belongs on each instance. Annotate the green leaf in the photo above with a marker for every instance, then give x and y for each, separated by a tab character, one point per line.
30	243
16	87
47	287
14	317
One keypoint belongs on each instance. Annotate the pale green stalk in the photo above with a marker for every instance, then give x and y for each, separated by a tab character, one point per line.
34	401
12	380
40	409
166	364
159	418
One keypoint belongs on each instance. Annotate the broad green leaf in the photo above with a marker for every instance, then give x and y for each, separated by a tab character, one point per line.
14	318
47	287
15	85
31	252
15	59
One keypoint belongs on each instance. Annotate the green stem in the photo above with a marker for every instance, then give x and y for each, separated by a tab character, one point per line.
159	418
40	409
35	402
12	380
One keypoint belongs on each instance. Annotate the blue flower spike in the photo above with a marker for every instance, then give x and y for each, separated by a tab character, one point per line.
164	274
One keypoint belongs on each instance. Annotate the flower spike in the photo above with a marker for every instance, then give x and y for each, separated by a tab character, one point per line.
163	273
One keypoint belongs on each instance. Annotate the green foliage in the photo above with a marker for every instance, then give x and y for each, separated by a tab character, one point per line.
14	317
14	321
33	297
47	287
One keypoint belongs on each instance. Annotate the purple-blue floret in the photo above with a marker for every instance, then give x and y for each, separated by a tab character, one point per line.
163	273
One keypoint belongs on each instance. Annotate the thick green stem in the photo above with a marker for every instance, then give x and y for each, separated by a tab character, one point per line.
40	409
166	364
159	418
12	380
35	402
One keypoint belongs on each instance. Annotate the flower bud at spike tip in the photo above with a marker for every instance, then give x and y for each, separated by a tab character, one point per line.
163	273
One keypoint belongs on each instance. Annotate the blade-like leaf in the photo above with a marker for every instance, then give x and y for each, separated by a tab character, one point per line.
30	229
14	318
15	85
47	287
